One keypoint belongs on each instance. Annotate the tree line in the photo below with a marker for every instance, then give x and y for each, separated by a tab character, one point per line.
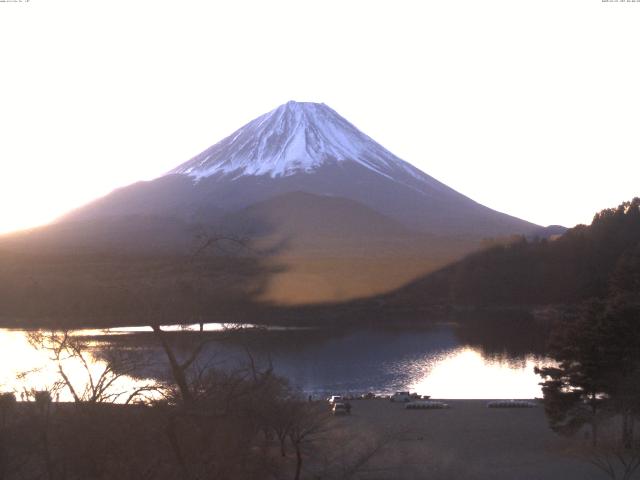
577	266
594	389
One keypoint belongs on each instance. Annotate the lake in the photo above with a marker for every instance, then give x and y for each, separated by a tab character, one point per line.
431	361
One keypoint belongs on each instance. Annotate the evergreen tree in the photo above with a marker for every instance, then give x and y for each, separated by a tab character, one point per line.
598	372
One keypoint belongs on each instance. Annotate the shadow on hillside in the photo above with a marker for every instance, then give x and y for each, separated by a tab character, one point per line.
100	288
224	282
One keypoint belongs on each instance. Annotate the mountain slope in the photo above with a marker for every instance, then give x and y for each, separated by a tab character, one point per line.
305	147
339	216
334	248
586	262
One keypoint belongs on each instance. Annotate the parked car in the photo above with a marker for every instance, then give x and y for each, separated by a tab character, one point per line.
339	408
401	397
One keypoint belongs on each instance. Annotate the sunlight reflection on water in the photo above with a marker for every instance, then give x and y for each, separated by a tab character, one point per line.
24	368
466	373
427	362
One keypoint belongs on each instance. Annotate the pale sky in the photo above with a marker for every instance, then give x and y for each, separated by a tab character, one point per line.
529	107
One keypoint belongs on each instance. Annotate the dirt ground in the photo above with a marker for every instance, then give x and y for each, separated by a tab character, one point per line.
466	441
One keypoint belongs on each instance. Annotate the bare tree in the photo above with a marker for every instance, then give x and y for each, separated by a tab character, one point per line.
100	378
308	422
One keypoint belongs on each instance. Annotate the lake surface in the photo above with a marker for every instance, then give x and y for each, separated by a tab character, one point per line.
430	361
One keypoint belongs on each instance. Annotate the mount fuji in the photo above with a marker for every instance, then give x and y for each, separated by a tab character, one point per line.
348	217
305	147
296	138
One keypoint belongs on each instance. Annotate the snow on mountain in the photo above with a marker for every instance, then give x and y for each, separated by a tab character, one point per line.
296	137
304	147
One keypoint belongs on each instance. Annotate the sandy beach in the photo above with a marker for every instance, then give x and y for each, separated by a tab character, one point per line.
466	441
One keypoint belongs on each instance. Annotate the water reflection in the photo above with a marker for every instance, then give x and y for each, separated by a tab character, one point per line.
191	327
25	368
430	361
466	373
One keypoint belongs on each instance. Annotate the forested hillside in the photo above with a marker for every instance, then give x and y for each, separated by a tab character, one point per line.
583	263
586	262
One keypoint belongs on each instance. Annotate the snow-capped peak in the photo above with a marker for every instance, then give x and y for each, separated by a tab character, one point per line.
295	137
